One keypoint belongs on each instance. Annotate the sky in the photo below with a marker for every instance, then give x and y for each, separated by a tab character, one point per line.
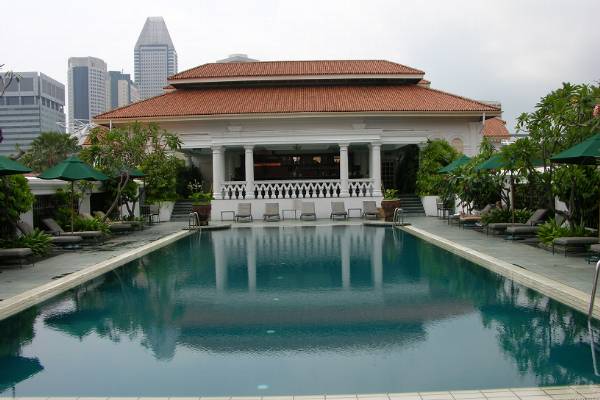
512	51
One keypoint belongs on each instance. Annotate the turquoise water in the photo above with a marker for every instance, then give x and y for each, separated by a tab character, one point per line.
293	311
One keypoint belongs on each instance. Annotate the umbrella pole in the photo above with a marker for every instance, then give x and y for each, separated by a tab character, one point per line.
72	204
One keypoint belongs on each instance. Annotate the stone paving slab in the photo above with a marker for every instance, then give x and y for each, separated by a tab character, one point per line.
572	270
16	281
534	393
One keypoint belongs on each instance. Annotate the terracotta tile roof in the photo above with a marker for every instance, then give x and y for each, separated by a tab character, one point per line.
283	68
495	127
296	99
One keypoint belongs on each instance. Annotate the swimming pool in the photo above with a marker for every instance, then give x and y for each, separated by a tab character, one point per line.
293	310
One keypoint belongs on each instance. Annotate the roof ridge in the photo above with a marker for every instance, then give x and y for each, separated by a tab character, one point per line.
460	97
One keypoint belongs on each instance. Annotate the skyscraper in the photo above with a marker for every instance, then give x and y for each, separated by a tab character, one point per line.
32	104
87	88
155	58
120	90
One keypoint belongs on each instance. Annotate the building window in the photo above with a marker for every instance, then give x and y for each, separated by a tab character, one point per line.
458	145
27	100
12	100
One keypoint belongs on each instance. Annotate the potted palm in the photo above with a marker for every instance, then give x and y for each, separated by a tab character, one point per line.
201	206
389	203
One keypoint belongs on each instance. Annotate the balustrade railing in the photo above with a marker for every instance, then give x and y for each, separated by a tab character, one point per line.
297	189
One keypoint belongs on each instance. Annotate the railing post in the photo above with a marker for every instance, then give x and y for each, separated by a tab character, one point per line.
217	166
344	170
249	167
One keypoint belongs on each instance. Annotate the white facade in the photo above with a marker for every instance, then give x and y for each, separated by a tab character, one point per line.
87	88
155	58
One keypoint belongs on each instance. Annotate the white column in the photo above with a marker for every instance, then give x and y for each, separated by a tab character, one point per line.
376	168
249	167
217	170
344	170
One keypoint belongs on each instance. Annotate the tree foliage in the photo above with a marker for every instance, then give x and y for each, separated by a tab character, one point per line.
560	120
49	149
115	152
435	155
15	199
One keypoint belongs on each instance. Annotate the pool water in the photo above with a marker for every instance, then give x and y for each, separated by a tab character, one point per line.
293	310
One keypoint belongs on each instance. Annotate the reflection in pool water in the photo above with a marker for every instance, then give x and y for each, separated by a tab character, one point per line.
293	311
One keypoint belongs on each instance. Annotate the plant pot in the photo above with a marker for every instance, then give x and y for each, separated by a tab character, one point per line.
203	211
388	208
165	210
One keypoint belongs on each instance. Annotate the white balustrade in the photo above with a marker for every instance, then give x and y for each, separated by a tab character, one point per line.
294	189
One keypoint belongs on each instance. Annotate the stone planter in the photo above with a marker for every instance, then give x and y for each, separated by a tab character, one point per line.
388	207
203	211
430	205
165	210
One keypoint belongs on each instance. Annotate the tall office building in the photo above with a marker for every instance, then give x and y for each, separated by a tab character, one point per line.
30	105
155	58
120	90
87	88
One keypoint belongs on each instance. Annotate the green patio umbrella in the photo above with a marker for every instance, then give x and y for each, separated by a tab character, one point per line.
73	169
584	153
459	162
11	167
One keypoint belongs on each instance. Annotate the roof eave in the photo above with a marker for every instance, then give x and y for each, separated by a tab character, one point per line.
279	78
474	113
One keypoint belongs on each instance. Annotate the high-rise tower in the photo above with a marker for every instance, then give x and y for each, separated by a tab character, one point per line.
87	88
155	58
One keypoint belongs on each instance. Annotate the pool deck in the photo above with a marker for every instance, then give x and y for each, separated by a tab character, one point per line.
514	259
546	393
23	287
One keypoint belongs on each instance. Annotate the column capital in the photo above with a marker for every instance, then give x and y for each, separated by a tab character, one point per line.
375	144
217	148
248	147
344	145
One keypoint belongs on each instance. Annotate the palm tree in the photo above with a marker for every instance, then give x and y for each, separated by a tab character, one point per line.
49	149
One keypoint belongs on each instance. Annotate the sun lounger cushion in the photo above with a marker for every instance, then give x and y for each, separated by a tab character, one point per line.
27	229
522	229
575	240
18	252
370	209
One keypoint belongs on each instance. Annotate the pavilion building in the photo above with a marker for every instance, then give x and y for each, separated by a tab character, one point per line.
279	131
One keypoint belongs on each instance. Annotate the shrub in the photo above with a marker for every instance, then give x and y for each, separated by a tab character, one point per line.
93	224
200	198
496	215
390	194
38	241
552	230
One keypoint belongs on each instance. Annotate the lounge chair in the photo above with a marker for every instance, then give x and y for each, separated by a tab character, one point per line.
56	230
370	210
27	229
244	212
114	226
17	255
536	218
338	210
307	210
154	210
271	212
574	243
528	230
474	218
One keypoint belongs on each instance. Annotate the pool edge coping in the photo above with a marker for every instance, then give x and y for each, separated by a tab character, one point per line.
558	291
32	297
591	391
